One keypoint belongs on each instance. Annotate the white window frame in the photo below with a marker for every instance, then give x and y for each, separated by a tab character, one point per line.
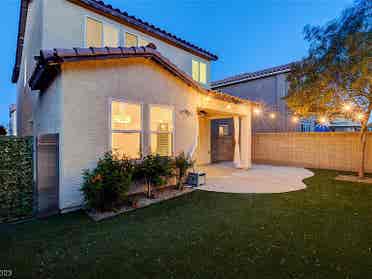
173	124
206	70
141	132
125	37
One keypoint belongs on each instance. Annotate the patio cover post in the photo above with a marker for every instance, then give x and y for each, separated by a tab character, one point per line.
237	162
245	142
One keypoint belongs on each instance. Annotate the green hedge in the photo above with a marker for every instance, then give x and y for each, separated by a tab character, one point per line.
16	178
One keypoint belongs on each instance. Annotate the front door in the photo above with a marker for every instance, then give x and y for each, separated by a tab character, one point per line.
222	141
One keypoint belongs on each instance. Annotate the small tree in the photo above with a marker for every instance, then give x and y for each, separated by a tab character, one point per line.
182	164
155	169
335	79
3	131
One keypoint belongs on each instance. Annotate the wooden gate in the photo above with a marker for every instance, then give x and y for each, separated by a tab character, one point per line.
222	141
48	174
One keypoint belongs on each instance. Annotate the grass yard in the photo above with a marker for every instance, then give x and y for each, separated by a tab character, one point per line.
322	232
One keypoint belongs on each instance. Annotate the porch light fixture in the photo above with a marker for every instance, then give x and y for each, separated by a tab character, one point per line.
272	115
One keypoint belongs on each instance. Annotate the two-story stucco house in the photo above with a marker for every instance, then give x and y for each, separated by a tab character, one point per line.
102	80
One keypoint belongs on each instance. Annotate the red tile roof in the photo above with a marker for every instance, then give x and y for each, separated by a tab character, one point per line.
118	15
253	75
48	65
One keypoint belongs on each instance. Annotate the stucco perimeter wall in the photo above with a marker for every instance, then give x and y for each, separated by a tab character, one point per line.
62	33
339	151
87	89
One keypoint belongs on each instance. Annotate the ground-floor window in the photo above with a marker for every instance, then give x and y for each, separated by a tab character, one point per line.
126	127
162	128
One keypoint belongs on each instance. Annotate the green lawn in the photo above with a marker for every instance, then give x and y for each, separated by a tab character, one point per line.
322	232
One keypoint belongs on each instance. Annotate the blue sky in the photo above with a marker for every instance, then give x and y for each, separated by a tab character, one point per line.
246	35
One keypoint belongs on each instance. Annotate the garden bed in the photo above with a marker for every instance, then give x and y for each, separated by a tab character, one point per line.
163	194
353	178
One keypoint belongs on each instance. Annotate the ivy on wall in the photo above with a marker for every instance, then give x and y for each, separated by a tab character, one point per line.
16	178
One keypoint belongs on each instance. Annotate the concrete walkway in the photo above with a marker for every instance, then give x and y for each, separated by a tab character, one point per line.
259	179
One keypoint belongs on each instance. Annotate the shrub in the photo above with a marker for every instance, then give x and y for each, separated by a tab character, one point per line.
106	186
3	131
155	169
182	164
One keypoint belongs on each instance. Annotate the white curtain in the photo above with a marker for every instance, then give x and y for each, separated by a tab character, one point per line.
237	160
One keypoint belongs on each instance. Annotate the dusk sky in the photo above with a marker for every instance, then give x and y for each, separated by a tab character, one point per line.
246	35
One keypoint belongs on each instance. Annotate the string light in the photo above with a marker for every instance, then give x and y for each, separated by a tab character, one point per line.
295	119
323	120
347	107
360	116
257	111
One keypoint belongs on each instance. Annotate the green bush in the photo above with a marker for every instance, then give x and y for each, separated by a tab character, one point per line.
182	164
155	169
106	186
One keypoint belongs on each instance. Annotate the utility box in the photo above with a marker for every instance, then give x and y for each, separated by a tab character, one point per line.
196	179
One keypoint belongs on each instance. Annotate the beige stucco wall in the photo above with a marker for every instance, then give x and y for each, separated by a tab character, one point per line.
87	89
62	33
47	117
32	45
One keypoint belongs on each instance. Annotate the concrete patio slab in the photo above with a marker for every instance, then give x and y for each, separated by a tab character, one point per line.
259	179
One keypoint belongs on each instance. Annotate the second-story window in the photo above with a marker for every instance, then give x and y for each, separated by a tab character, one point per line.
110	36
199	71
131	40
94	33
99	34
143	42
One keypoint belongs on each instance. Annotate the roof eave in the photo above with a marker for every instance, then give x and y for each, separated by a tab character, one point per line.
49	61
219	84
20	39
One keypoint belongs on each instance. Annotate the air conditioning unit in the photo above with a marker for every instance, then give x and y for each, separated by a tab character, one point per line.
196	179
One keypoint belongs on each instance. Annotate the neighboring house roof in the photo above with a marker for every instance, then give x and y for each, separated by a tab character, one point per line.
49	61
253	75
12	108
118	15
